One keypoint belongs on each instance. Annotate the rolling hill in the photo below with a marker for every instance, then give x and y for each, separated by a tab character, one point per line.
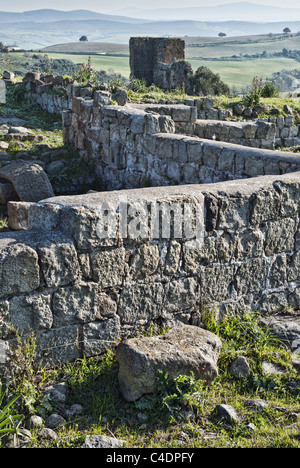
41	28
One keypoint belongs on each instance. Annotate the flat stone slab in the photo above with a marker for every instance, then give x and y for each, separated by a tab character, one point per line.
183	350
178	112
29	180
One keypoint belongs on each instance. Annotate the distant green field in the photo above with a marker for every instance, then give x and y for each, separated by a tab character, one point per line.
236	74
236	46
240	74
88	48
118	64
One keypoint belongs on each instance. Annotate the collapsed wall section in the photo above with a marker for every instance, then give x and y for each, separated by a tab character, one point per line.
92	268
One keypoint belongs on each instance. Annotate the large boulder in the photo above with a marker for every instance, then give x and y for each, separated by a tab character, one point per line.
183	350
29	180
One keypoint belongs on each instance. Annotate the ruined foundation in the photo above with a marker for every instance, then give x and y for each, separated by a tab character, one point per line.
184	224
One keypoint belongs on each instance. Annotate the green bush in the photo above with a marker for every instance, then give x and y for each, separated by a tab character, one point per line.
270	90
207	83
255	93
86	73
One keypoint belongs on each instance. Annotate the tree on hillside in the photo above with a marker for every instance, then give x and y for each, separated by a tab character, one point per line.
222	34
83	39
287	30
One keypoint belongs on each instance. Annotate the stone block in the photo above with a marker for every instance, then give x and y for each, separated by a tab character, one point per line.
254	166
137	124
19	269
18	215
266	206
172	258
144	262
182	114
141	302
182	295
294	131
108	267
75	304
30	313
181	351
58	261
57	347
284	132
233	212
29	180
279	236
256	270
249	244
211	154
214	249
100	336
216	283
76	105
278	272
102	98
294	268
151	124
289	120
226	160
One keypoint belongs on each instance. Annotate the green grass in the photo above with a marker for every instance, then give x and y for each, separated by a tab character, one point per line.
181	412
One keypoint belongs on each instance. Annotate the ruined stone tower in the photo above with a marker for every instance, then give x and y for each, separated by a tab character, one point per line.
160	61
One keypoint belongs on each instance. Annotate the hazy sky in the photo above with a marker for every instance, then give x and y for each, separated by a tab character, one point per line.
104	6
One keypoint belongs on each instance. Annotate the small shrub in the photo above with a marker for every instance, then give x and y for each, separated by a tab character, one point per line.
254	96
86	72
270	90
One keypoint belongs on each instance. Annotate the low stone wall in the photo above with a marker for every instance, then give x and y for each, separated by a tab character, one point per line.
132	148
287	132
253	134
92	268
55	99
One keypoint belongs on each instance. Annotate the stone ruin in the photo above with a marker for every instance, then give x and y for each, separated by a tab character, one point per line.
160	61
83	272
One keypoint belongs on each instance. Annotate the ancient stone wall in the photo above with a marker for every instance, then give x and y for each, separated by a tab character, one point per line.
92	268
282	132
219	230
131	148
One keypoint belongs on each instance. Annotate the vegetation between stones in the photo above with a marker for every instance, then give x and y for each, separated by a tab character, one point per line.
184	412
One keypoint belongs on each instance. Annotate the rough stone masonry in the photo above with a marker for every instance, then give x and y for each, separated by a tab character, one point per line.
160	61
80	291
